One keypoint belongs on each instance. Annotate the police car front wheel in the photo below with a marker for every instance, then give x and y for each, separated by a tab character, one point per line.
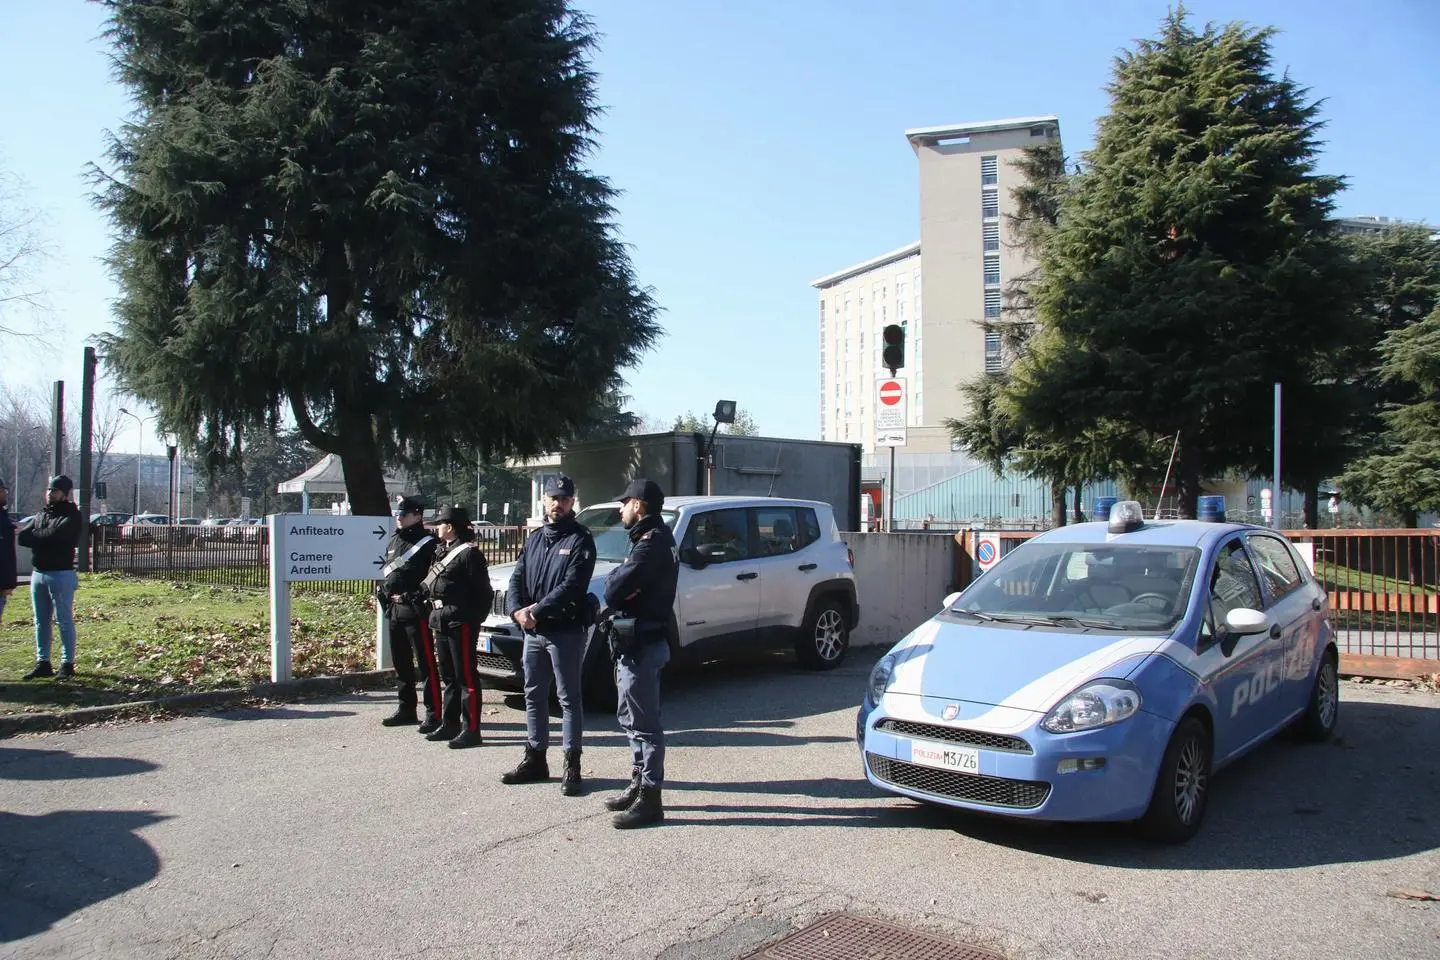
1182	788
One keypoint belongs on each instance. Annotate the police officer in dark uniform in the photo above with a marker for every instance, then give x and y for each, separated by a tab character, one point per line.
639	598
458	589
549	598
407	559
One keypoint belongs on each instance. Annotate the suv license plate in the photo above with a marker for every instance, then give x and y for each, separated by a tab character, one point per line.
946	758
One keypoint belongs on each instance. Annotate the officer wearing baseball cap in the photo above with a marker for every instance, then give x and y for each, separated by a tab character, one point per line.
639	598
549	599
52	538
459	591
407	559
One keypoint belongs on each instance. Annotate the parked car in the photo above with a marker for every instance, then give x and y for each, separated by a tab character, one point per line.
1104	671
105	527
142	528
245	529
754	572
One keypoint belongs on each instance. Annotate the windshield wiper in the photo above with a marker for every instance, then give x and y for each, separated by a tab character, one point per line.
1079	621
974	613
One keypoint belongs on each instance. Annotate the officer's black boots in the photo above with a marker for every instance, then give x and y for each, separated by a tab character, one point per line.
570	783
466	738
646	809
403	716
67	670
448	731
623	801
430	725
42	669
532	769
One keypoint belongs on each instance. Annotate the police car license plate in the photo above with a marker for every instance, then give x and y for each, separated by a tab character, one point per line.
946	758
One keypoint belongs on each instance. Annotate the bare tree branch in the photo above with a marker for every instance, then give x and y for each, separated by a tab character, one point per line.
22	250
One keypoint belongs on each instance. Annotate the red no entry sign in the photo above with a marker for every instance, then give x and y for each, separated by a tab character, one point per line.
891	393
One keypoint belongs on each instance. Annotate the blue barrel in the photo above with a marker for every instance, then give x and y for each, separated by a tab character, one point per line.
1211	509
1102	508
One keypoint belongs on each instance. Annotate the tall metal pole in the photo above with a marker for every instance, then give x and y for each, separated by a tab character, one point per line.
87	439
57	428
1275	485
890	492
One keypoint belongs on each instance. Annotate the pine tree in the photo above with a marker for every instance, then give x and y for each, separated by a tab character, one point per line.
1192	265
375	214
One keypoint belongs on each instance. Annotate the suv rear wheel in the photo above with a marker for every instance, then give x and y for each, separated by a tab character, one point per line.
824	637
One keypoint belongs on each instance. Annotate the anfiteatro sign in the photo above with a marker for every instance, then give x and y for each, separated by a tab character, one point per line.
330	548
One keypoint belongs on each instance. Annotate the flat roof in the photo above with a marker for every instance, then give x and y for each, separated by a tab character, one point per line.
906	251
979	126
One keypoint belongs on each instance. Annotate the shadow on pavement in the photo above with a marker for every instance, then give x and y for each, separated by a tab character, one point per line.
276	713
59	863
23	764
1367	795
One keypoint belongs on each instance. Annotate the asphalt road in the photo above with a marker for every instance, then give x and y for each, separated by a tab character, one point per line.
307	830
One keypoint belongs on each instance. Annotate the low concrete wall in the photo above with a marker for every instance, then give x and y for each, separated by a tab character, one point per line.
901	579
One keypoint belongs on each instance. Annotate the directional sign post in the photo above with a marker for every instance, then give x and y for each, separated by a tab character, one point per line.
311	547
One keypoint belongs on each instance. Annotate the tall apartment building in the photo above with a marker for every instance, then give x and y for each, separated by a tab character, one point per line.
964	257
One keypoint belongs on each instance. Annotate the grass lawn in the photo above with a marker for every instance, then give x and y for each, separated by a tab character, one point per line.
141	639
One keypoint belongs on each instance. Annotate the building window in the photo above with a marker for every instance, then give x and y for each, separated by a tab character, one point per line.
1039	131
993	361
992	269
990	232
990	205
989	171
992	304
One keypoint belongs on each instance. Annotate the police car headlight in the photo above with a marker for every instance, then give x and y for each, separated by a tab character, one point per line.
1097	704
880	677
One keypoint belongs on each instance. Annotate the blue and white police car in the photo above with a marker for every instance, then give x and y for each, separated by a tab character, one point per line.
1104	671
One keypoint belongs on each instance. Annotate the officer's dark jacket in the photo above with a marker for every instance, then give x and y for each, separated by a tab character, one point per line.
644	585
7	551
462	587
405	580
553	573
53	536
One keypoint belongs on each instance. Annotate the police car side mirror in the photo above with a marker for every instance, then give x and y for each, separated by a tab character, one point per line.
949	600
694	558
1244	622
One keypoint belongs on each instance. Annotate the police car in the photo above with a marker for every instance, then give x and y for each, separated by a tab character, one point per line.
1105	671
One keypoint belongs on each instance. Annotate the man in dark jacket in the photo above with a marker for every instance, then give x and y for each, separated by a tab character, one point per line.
8	577
407	559
52	539
459	592
639	598
548	598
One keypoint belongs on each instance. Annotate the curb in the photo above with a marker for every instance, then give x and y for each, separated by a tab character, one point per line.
284	691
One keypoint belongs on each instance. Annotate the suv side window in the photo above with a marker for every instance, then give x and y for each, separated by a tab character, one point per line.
809	526
721	536
777	530
1277	566
1232	586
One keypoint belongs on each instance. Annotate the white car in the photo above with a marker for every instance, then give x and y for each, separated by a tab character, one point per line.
755	572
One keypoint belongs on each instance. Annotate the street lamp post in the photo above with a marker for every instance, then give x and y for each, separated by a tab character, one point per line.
139	452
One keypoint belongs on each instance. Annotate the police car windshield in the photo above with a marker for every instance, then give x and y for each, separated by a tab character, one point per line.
612	540
1075	586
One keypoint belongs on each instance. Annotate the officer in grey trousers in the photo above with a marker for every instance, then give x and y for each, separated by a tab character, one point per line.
549	599
639	598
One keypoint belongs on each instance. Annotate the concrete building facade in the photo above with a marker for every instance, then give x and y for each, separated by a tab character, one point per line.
940	290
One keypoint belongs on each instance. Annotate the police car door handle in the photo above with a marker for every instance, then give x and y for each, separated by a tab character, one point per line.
746	576
807	567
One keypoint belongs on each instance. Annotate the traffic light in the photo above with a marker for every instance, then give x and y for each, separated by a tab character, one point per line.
100	490
893	354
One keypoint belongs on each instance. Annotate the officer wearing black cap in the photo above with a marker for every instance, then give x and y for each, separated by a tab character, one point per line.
639	598
52	538
459	592
549	598
407	559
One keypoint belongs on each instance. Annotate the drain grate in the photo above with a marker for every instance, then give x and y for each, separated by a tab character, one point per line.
841	936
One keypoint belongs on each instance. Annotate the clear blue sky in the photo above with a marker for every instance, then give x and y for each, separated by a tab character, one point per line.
759	145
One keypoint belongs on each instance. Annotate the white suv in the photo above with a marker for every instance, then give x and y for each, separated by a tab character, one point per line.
755	572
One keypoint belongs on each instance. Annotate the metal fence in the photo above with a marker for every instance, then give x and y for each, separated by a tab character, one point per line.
236	556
